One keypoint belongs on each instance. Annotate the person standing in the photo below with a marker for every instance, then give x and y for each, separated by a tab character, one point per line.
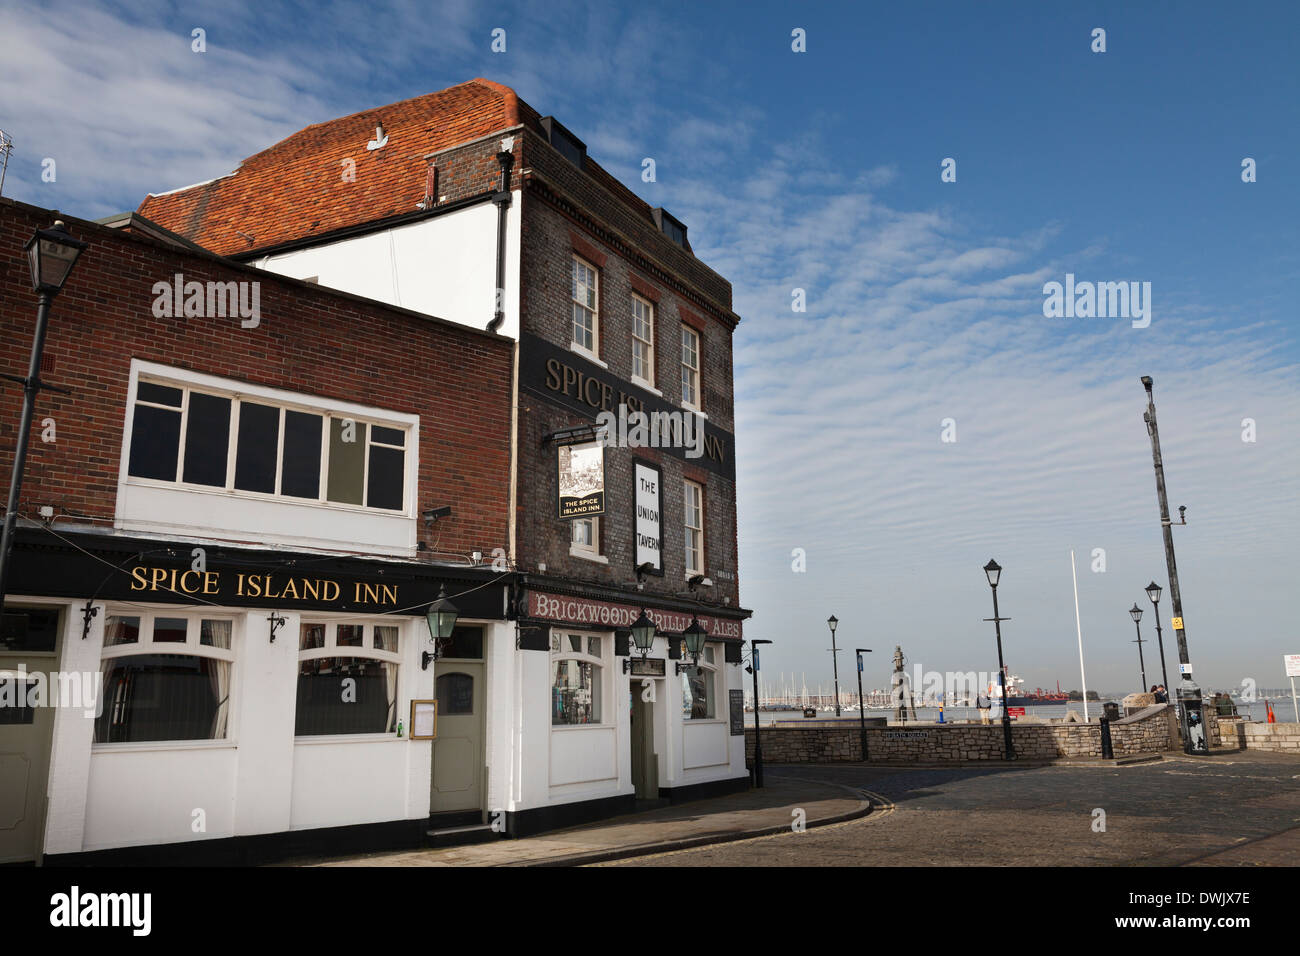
982	704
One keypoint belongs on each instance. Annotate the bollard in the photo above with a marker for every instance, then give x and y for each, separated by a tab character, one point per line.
1107	751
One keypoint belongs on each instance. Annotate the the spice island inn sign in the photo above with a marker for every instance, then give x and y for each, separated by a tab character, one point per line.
563	609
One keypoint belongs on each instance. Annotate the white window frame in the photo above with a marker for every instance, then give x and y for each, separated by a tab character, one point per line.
367	651
187	381
711	670
691	373
602	663
594	351
687	485
147	646
645	380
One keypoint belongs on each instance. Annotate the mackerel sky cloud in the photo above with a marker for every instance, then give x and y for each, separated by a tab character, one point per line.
820	171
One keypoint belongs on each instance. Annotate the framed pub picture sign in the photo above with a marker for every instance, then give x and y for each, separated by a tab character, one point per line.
581	488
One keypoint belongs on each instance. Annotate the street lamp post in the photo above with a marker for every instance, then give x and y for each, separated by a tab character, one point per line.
833	621
993	571
1153	592
51	253
862	710
1135	612
758	739
1189	694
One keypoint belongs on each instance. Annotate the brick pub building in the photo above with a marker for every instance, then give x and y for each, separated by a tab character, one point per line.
468	205
197	483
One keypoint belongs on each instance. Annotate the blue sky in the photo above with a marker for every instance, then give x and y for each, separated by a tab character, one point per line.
821	171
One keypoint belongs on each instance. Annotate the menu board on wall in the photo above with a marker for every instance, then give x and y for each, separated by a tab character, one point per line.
649	499
737	701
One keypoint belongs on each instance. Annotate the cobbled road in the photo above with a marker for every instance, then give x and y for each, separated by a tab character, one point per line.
1240	809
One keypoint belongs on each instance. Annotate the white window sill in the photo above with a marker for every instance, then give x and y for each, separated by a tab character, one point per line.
688	407
642	383
571	727
145	746
321	739
587	555
590	357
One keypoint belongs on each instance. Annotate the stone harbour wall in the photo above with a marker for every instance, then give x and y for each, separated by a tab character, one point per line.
1280	738
1148	731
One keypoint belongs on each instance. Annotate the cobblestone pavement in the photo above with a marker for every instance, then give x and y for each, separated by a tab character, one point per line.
718	818
1238	809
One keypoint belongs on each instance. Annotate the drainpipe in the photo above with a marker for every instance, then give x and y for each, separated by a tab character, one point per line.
502	200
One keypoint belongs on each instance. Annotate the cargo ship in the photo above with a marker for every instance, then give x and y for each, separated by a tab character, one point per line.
1016	696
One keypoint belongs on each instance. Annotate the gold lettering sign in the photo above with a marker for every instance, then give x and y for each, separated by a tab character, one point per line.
260	584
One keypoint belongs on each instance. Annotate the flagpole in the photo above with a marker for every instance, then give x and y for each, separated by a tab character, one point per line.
1079	630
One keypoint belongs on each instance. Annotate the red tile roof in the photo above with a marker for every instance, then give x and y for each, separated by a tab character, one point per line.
296	189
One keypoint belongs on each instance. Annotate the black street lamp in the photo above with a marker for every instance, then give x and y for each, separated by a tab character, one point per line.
1135	612
1153	592
441	618
758	739
862	711
51	253
1190	718
834	622
993	571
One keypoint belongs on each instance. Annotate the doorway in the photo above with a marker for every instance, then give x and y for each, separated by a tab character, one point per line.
29	644
458	772
645	762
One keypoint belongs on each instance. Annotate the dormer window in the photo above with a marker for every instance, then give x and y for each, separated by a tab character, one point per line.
570	147
671	227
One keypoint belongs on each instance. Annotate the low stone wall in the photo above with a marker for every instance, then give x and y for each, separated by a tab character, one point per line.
1149	731
1280	738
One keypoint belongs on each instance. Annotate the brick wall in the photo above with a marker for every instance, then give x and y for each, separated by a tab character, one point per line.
310	340
549	241
623	224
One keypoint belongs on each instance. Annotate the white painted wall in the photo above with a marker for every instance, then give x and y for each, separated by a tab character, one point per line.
443	266
260	779
557	765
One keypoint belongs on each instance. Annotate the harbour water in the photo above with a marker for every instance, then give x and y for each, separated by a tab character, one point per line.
1255	711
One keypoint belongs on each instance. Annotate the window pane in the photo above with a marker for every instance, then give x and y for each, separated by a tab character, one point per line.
29	629
300	465
169	630
575	693
163	697
255	451
345	695
386	477
387	436
155	443
350	635
347	461
215	634
697	693
455	694
207	438
158	394
466	642
386	638
310	636
121	630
